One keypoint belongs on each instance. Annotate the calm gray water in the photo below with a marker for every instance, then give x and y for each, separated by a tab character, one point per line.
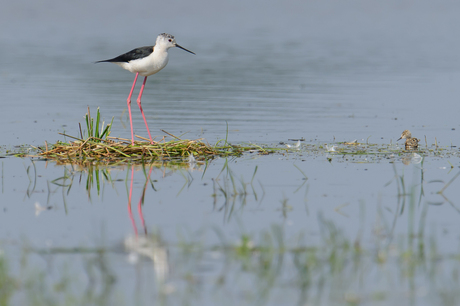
325	71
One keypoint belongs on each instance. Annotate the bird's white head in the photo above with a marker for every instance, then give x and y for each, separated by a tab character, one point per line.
168	41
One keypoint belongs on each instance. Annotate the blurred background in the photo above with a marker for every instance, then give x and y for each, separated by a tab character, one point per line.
273	70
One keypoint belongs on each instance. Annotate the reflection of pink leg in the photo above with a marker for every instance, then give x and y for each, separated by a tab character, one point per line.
130	212
141	215
141	201
139	103
129	108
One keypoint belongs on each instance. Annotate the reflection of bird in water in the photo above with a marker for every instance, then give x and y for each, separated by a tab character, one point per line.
152	247
411	142
411	159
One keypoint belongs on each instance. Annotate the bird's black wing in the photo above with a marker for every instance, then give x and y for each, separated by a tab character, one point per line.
134	54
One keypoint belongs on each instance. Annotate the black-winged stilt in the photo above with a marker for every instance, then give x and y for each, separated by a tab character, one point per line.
145	61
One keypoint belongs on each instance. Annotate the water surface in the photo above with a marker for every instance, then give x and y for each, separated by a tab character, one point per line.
322	71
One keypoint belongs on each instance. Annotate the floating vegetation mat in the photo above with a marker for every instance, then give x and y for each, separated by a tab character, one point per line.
175	150
116	150
95	145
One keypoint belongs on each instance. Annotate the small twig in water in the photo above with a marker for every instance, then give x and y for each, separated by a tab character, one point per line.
170	134
447	185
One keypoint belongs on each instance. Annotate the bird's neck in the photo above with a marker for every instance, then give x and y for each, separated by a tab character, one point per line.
160	49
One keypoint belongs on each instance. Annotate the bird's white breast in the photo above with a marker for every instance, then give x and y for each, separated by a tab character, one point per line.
148	65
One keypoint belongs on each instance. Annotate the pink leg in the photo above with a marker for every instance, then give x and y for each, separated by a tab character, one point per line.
129	108
139	103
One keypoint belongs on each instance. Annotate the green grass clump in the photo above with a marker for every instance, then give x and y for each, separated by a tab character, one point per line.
93	128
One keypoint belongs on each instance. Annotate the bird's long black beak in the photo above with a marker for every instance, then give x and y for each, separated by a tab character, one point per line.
184	49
